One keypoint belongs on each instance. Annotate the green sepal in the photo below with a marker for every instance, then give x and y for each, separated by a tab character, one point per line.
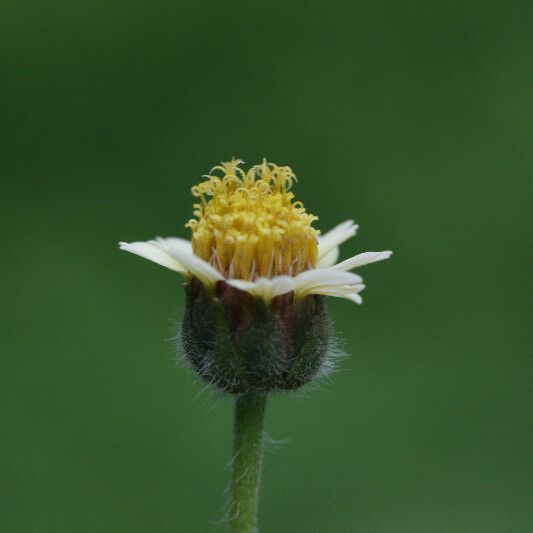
238	343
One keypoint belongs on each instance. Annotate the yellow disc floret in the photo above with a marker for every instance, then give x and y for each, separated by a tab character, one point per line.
248	225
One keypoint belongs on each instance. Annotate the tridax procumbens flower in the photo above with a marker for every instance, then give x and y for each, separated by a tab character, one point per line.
257	271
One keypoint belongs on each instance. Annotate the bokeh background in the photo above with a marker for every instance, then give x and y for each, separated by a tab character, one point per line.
414	118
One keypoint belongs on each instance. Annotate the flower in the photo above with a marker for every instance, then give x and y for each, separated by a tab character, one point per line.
249	233
257	273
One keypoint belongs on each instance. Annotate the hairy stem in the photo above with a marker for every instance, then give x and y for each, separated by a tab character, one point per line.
246	464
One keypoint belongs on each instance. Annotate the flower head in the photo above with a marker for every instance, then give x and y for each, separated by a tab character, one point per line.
248	226
257	273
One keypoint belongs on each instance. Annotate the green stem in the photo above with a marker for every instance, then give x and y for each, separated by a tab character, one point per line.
246	465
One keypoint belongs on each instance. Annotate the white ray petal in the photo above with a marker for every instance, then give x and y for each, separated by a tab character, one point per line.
361	259
350	292
334	237
329	259
167	244
153	253
265	288
196	266
322	279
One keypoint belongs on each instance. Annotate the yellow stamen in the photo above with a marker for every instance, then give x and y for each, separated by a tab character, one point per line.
250	226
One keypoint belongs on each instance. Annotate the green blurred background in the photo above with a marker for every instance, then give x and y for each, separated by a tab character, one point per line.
414	118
